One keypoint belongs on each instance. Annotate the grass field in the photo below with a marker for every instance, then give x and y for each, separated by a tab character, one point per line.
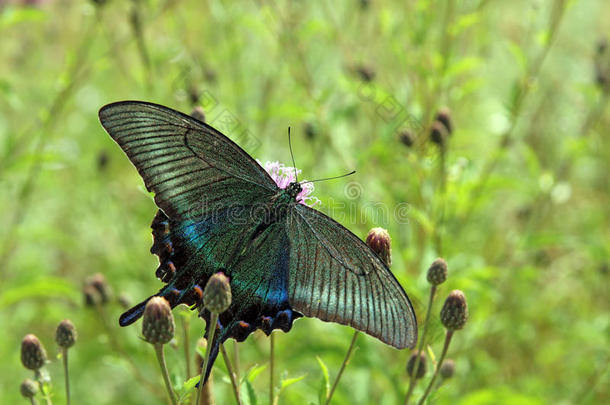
516	199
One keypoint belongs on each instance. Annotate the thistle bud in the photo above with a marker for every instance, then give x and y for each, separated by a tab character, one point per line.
455	311
198	113
33	355
421	367
444	117
65	335
380	242
158	321
407	138
217	293
447	369
125	300
438	133
28	388
91	296
98	283
366	73
310	130
437	273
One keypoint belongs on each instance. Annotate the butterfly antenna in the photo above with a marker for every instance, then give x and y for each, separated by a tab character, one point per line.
292	156
330	178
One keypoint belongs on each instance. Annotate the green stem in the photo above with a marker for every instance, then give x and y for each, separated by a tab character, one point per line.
232	375
33	401
271	368
66	374
412	379
43	389
438	366
161	358
350	350
204	367
236	358
187	346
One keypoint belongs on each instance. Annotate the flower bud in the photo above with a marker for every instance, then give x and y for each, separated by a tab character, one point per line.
437	273
28	388
438	133
366	73
158	321
125	300
91	296
198	113
444	117
217	293
421	367
65	335
407	138
447	369
455	311
33	355
380	242
99	283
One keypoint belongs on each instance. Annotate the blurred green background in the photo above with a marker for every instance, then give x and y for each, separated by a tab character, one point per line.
523	219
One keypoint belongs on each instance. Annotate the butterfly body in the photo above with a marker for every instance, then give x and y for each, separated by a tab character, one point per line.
220	211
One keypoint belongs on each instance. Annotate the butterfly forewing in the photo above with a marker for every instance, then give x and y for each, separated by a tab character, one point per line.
192	168
334	276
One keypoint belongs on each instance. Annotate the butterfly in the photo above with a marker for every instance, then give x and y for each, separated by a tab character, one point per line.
219	210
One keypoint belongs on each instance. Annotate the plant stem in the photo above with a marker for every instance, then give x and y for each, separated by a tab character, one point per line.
33	401
412	379
187	346
236	359
204	366
43	389
271	367
161	357
66	374
232	375
448	337
350	350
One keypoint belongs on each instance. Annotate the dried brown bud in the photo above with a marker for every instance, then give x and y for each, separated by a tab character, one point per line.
380	242
65	335
217	293
454	313
438	133
125	300
407	138
437	273
444	117
366	73
28	388
158	321
447	369
198	113
421	367
91	295
33	354
99	283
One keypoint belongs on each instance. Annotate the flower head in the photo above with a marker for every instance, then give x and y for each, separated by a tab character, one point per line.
33	355
421	366
380	242
284	175
28	388
65	335
217	293
158	321
454	313
437	273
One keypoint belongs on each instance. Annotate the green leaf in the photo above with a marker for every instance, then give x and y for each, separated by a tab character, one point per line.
254	372
251	394
47	287
289	381
324	382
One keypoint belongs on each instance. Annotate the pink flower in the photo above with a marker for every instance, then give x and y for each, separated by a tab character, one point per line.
284	175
